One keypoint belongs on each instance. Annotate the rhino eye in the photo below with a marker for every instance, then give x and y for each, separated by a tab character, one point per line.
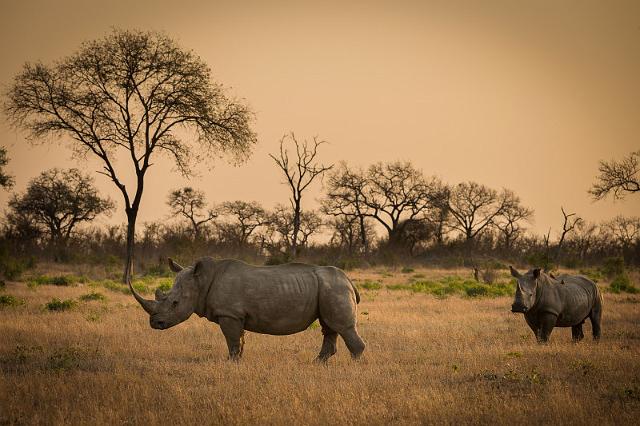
175	303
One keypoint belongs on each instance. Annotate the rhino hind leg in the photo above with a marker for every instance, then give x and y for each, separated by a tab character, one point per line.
354	342
329	340
233	330
576	333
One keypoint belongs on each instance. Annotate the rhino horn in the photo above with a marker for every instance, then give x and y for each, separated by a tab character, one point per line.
147	305
175	267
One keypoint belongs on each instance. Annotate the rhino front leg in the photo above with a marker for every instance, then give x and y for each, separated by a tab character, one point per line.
576	333
233	330
547	322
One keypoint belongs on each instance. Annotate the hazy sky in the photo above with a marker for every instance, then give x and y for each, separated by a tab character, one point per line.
524	95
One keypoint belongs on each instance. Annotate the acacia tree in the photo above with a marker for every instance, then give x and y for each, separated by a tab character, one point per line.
389	193
474	207
190	203
280	230
625	231
56	202
6	181
510	221
245	217
617	177
134	95
299	174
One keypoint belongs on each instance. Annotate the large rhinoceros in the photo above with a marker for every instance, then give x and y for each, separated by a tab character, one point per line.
277	300
563	301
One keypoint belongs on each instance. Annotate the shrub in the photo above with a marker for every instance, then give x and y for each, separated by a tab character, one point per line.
92	296
8	300
622	283
370	285
613	266
60	305
407	270
58	280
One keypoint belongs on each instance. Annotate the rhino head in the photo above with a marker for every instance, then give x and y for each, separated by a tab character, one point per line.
176	306
526	290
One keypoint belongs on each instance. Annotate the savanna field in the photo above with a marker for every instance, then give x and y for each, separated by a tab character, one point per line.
440	349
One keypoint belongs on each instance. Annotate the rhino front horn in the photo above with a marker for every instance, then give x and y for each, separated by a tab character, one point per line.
147	305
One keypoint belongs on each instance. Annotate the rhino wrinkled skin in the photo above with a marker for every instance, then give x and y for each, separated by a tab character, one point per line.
563	301
277	300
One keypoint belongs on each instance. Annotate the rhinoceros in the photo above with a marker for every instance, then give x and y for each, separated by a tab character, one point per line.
276	300
563	301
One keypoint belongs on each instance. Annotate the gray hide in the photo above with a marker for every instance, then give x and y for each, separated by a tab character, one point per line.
277	300
565	301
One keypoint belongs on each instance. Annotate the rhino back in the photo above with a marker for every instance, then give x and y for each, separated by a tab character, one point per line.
576	299
279	299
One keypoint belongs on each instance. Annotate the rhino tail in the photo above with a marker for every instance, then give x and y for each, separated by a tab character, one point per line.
355	290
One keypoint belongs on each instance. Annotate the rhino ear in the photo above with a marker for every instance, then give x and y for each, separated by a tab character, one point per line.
175	267
197	268
514	273
536	273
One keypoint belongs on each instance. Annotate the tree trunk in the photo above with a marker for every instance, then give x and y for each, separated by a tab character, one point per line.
296	229
131	236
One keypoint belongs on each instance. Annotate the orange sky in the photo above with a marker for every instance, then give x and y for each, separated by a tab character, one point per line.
524	95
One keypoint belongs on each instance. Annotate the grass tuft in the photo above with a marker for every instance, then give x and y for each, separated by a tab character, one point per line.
60	305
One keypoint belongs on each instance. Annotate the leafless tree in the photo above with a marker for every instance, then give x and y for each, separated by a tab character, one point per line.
510	221
281	227
56	202
190	204
617	177
299	174
570	222
132	93
245	218
624	230
475	207
347	231
6	181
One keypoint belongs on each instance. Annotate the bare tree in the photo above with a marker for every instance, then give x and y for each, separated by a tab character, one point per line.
246	217
56	202
6	181
299	175
617	177
281	227
624	230
475	207
132	95
510	221
570	222
190	203
347	231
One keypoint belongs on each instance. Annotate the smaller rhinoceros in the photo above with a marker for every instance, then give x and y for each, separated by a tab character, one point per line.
565	301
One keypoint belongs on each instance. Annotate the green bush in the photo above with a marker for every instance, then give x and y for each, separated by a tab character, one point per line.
455	285
370	285
94	295
407	270
277	259
58	280
12	268
622	284
8	300
60	305
613	266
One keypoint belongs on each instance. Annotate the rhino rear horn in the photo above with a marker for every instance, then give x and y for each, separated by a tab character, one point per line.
175	267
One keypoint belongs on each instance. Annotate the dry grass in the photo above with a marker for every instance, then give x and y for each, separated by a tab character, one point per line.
428	360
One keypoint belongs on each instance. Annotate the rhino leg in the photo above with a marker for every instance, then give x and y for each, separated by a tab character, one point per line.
547	322
354	342
576	333
596	318
233	330
328	343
